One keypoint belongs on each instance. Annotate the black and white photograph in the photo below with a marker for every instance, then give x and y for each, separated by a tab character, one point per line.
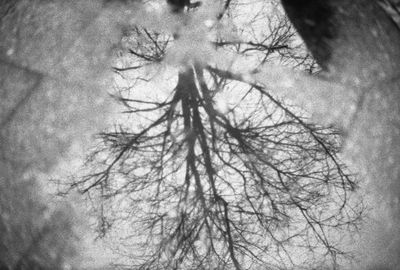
199	134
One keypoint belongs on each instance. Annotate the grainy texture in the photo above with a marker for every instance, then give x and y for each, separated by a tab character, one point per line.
54	69
357	46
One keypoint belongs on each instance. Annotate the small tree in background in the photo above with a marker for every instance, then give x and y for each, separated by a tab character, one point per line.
208	172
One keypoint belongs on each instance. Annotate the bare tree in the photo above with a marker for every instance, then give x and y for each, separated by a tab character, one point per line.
220	174
47	52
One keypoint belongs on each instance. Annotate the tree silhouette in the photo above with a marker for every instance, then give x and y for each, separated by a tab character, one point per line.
218	173
51	71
